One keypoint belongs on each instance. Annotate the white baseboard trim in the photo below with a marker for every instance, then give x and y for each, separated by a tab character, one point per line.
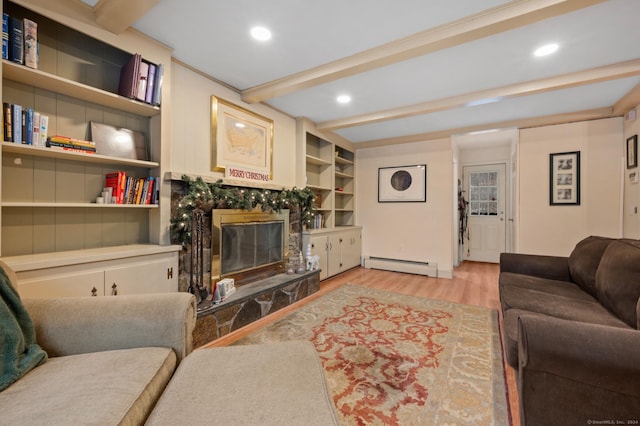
398	265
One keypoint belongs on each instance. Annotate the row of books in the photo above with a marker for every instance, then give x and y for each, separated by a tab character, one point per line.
317	222
64	143
24	125
20	40
132	190
141	80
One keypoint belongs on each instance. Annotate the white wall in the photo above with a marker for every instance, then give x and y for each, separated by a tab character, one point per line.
555	230
191	127
631	190
410	231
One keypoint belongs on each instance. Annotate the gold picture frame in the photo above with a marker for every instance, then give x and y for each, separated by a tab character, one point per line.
240	138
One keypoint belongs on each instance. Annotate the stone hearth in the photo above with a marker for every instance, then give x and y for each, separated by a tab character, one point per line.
251	302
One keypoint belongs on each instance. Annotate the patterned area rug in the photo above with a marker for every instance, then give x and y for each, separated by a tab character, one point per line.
392	359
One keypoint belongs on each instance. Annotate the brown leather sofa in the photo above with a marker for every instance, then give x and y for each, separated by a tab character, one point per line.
571	332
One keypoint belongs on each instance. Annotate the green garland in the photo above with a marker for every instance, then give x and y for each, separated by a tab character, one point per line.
208	196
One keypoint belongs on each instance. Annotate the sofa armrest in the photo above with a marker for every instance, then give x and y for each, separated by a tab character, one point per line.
571	372
68	326
550	267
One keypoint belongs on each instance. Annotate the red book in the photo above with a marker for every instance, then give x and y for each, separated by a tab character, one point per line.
117	181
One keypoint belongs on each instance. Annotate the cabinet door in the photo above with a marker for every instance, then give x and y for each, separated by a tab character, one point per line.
335	253
319	247
351	249
62	285
150	276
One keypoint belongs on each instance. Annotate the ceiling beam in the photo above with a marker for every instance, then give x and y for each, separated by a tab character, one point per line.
564	81
547	120
506	17
118	15
628	101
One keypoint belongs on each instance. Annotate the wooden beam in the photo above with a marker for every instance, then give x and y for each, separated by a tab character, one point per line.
515	14
118	15
571	117
628	102
579	78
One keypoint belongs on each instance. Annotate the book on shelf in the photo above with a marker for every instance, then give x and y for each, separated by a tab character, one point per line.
64	143
131	190
141	80
30	29
151	77
157	85
143	74
5	36
16	120
28	129
116	181
129	74
24	125
44	129
16	40
6	119
317	222
36	128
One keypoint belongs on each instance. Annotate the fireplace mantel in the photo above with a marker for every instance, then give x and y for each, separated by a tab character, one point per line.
225	181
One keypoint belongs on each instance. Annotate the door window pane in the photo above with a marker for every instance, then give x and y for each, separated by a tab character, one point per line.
483	194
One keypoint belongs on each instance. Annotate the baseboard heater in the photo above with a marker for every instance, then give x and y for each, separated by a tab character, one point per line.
429	269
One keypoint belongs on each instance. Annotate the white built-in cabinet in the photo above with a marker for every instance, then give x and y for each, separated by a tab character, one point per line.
327	165
137	270
48	212
339	249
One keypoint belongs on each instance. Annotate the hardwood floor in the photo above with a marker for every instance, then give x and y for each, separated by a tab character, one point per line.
473	283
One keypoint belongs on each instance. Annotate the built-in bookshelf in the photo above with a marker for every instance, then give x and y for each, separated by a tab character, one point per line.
48	197
329	170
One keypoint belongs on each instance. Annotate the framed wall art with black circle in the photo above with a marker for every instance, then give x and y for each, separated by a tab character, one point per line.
404	184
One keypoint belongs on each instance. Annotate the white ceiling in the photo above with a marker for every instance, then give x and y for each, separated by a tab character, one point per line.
213	37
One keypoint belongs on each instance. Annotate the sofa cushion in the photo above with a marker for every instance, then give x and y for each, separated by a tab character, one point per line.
618	279
558	306
584	261
560	288
102	388
279	383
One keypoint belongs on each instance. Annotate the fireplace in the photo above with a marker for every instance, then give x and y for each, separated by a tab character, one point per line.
248	246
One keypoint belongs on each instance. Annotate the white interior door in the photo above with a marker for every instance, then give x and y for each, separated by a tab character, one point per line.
486	226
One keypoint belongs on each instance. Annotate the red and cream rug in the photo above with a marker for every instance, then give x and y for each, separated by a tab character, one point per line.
393	359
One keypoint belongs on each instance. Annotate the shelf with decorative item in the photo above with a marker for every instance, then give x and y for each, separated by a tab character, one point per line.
33	77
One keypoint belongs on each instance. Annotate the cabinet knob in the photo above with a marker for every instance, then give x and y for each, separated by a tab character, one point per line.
169	273
114	290
94	292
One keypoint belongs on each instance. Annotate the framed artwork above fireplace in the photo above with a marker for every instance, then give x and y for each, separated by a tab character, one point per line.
240	138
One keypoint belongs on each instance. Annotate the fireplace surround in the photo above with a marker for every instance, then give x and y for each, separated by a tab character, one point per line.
248	245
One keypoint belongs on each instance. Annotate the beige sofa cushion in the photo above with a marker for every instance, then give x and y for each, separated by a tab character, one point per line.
276	384
101	388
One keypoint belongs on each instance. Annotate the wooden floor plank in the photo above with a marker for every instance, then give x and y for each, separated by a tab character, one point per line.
473	283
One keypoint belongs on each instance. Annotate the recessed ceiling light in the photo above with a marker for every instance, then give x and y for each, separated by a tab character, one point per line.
260	33
343	99
547	49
